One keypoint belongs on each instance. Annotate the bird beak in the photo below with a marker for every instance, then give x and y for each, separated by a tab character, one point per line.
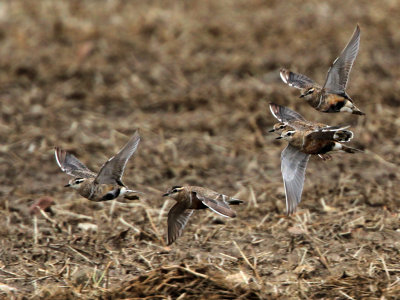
301	96
272	130
67	185
165	195
278	138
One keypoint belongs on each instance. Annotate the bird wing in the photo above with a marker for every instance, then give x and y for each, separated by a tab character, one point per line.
322	135
339	134
289	117
293	167
216	202
338	73
284	114
71	165
178	216
327	133
299	81
111	172
333	128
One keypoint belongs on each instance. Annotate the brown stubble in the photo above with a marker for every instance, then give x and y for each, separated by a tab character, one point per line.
196	78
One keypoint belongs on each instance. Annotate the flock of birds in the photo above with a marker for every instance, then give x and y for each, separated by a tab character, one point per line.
304	138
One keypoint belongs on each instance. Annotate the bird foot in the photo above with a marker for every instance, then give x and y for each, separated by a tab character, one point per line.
325	157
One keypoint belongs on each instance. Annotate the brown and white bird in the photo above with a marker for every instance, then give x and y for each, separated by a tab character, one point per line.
294	118
188	199
305	140
107	184
297	121
332	96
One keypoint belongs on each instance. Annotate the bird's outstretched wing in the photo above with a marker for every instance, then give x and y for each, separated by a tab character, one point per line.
296	80
332	133
284	114
218	203
71	165
289	117
338	73
293	167
111	172
178	216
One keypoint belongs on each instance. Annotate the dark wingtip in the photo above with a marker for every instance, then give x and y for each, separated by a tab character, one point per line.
136	134
274	108
290	211
358	112
134	197
352	150
57	150
235	201
284	74
170	240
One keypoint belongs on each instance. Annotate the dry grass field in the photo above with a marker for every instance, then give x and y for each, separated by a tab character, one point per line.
196	78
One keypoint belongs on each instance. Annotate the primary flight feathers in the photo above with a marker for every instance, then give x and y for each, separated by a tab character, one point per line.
305	138
107	184
332	96
188	199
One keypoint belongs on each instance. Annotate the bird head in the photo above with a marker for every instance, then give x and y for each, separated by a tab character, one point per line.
278	127
308	92
174	191
75	183
287	135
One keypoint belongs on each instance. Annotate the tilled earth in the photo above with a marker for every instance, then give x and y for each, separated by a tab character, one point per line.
196	78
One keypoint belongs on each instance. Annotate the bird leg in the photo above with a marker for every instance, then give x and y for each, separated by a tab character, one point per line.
325	156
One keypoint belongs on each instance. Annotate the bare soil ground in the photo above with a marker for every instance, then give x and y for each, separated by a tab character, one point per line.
196	77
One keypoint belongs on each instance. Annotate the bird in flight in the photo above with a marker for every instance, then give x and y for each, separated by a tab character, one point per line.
305	139
332	96
107	184
190	198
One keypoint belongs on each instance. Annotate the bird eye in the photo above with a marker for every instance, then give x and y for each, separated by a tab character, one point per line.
289	133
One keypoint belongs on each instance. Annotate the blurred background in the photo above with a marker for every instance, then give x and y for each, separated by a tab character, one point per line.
196	78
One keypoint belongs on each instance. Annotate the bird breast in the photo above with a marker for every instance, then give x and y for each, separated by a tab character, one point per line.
314	98
86	189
